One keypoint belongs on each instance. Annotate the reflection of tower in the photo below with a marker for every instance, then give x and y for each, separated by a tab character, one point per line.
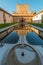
22	8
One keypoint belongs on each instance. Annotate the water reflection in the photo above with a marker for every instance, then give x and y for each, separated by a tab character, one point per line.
11	38
34	39
31	37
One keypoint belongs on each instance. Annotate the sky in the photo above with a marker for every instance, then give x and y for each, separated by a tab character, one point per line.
10	5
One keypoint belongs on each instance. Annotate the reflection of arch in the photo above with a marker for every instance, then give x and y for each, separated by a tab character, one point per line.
42	18
4	18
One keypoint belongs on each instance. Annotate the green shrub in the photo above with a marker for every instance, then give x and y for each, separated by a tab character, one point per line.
37	24
7	24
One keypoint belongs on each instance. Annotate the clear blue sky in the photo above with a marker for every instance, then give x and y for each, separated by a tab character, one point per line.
10	5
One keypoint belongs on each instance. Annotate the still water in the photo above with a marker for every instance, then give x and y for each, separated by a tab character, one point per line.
31	37
34	39
11	38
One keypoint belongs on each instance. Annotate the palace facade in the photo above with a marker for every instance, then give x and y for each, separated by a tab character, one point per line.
22	11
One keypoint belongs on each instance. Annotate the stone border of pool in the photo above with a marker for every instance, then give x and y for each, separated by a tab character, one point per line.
5	31
37	30
10	47
6	28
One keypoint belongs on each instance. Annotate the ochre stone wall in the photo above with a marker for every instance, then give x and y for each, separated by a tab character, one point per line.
22	12
22	8
1	17
5	17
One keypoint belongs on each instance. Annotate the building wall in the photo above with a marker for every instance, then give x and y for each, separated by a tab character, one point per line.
1	17
5	17
8	18
38	18
22	11
26	18
22	8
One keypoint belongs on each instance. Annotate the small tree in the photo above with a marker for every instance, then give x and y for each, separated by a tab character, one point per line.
35	12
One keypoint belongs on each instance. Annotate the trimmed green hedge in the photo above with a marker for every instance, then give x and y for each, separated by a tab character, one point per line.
7	24
37	24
